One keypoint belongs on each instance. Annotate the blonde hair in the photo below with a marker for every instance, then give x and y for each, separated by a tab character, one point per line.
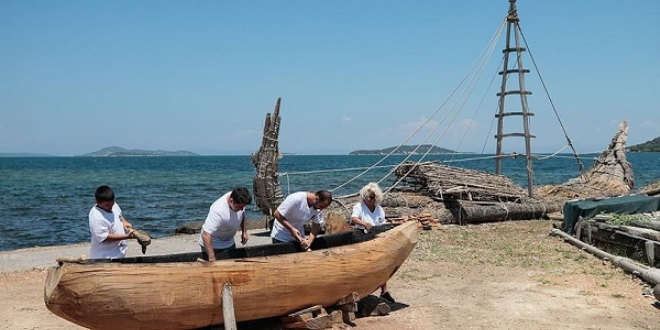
374	188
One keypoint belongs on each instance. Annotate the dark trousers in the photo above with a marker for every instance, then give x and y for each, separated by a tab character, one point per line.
217	252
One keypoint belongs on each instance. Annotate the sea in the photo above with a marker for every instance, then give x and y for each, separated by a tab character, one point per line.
44	201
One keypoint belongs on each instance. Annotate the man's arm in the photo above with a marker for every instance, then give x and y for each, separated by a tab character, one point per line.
358	221
279	217
244	233
120	237
316	228
127	225
208	245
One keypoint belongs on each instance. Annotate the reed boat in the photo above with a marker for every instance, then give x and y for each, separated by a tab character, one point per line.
178	292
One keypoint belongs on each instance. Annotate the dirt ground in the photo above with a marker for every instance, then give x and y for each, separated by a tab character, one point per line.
508	275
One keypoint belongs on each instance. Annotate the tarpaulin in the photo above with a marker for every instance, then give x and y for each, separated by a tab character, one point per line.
619	205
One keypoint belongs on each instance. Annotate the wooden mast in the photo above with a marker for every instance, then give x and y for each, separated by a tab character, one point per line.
514	28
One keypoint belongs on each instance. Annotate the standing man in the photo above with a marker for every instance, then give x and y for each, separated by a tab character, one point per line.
225	217
294	212
108	227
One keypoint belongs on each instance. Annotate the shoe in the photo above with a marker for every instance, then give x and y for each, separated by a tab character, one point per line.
388	297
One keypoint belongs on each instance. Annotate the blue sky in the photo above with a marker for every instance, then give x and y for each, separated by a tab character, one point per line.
77	76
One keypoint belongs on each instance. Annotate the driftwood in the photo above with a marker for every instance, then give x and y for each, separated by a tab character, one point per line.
448	182
610	175
267	191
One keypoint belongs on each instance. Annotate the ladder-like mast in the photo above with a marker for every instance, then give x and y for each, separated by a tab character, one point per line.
517	68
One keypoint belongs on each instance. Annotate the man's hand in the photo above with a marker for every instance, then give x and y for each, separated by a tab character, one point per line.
244	238
305	245
297	235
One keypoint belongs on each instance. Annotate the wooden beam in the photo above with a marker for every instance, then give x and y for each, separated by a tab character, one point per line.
228	307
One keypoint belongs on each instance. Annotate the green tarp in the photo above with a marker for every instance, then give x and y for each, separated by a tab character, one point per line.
618	205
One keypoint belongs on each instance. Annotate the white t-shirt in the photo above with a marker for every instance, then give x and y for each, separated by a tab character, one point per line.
295	209
102	223
375	218
222	223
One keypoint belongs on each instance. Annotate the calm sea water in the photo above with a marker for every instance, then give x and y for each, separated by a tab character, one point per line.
45	201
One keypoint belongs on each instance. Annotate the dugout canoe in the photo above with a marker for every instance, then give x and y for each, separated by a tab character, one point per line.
178	292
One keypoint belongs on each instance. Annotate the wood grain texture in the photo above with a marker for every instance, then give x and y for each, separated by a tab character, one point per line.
185	295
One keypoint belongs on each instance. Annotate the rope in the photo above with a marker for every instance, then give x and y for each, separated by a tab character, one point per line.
506	210
348	169
553	154
468	89
552	104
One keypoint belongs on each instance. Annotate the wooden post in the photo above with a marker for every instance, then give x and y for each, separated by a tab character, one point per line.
228	307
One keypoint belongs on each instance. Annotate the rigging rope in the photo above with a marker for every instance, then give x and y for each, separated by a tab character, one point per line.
493	41
478	69
552	104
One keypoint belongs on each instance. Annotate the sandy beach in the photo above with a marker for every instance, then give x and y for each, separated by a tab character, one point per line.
501	276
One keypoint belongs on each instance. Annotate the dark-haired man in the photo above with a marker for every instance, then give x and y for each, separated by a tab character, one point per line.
225	217
294	212
108	227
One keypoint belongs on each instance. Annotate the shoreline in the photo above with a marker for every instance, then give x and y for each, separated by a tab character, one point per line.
41	258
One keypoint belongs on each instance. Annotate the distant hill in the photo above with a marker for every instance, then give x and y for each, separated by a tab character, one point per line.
121	152
649	146
405	150
6	154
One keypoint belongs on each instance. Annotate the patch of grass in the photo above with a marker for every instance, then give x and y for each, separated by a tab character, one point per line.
618	295
511	244
625	219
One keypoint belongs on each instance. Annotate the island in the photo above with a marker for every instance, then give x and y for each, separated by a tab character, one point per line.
406	150
649	146
121	152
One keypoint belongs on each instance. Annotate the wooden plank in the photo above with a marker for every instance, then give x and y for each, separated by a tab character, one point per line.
228	307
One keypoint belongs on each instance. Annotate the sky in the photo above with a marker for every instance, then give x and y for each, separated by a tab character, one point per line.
200	76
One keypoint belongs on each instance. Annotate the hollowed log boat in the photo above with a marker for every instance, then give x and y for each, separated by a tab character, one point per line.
176	291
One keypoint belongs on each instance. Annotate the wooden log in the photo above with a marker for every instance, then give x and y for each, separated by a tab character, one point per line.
648	274
228	307
642	232
506	211
651	192
651	224
602	232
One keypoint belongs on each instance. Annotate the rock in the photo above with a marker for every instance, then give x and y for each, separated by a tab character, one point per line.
190	227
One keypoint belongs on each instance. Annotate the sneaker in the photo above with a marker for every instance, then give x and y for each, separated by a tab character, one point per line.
388	297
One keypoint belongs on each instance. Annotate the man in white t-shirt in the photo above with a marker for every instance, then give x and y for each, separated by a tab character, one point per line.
226	216
297	209
108	227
